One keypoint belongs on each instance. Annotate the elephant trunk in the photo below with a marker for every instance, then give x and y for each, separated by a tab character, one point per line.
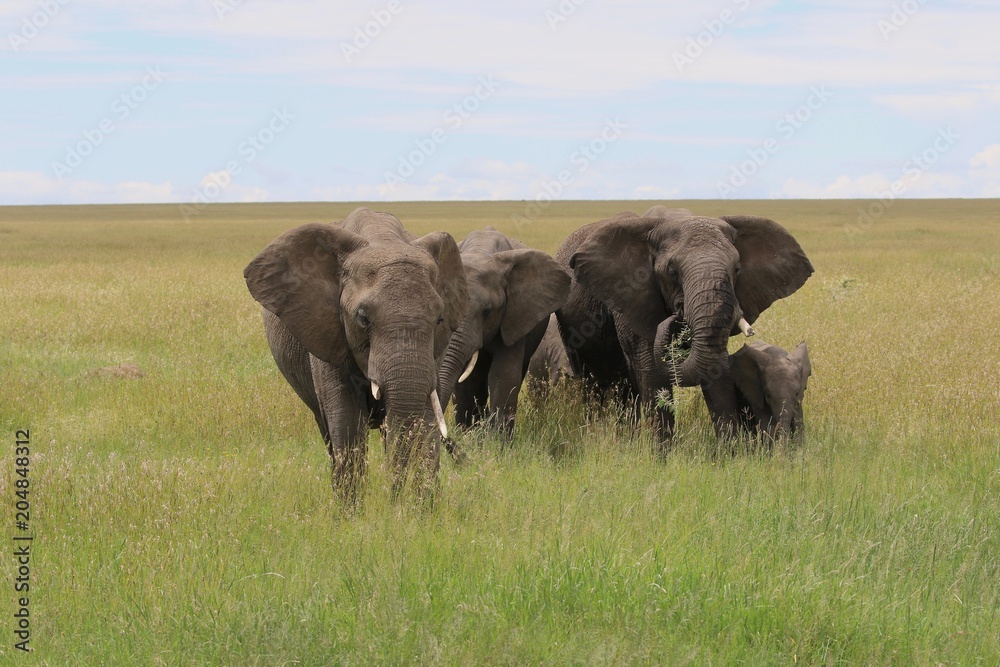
412	429
464	344
710	307
788	424
406	377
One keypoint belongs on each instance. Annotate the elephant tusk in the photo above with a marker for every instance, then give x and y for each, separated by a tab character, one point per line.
746	328
376	392
438	413
468	369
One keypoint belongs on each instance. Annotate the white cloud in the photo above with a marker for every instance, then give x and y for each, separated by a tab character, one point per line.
842	187
987	160
945	104
431	55
655	192
982	179
25	187
219	186
877	185
34	187
484	168
984	170
601	48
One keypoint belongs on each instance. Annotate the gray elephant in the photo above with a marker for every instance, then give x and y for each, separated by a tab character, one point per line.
770	383
513	290
550	363
638	279
358	315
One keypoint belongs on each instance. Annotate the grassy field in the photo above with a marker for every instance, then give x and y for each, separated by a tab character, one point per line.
186	516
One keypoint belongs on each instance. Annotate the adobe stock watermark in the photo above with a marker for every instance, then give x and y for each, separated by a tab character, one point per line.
581	159
365	34
247	151
121	108
454	117
714	28
32	25
562	12
899	17
225	7
786	127
913	171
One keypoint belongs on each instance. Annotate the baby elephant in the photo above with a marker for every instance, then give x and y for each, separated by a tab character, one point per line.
770	383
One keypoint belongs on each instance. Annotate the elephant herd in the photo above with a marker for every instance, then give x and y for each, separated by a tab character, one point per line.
374	327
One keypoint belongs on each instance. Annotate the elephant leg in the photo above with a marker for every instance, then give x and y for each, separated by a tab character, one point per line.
505	377
343	406
723	403
656	399
589	335
293	362
648	377
471	395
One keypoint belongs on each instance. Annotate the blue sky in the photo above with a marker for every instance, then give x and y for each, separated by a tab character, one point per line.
229	100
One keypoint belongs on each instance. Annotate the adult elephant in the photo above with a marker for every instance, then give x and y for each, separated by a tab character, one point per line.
358	315
637	279
512	292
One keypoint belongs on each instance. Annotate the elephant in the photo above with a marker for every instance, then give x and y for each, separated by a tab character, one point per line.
513	290
639	280
549	364
358	315
770	383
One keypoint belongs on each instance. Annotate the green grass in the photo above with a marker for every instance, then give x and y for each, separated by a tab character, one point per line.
186	517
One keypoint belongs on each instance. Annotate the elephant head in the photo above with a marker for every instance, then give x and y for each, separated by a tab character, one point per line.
770	383
512	292
717	274
376	306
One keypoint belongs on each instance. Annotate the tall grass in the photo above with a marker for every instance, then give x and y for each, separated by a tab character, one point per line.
186	517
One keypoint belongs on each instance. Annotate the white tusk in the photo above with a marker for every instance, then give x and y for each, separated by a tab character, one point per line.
468	369
376	392
746	328
439	413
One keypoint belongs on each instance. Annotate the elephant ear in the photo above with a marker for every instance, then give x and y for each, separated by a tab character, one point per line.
536	287
800	355
747	367
616	265
451	285
773	263
297	277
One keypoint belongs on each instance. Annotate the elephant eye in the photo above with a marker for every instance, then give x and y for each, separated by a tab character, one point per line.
487	313
738	269
672	270
362	316
441	320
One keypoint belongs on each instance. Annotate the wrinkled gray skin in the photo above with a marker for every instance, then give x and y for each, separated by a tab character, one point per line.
356	302
770	384
512	292
550	363
635	278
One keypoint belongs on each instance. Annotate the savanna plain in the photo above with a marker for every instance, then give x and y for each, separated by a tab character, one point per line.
181	500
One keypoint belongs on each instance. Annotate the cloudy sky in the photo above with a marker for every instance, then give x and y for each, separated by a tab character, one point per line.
253	100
